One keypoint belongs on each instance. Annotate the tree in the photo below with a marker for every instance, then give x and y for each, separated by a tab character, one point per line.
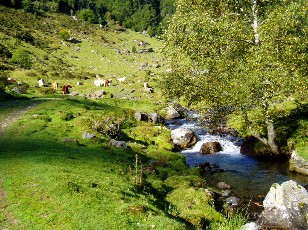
22	58
64	35
239	56
27	5
87	15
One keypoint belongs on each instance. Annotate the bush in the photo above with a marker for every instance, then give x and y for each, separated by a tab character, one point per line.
87	15
3	81
27	5
4	52
22	58
64	35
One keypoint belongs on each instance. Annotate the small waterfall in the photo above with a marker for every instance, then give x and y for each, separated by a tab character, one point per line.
247	175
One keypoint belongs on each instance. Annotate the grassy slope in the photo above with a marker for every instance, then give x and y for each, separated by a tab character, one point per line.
53	184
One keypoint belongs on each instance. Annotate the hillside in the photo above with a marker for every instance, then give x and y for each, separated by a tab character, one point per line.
90	50
51	176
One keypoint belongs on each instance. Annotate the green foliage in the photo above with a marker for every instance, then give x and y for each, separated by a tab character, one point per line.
87	15
214	49
22	57
64	35
27	5
193	205
4	51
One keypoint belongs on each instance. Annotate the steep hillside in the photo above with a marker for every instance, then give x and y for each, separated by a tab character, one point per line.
85	52
57	168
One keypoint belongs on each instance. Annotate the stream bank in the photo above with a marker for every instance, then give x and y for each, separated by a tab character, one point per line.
250	178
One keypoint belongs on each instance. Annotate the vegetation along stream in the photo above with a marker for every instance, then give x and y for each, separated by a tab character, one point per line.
250	177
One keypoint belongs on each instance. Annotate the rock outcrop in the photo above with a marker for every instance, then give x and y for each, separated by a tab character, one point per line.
174	113
298	164
285	207
183	138
210	147
154	118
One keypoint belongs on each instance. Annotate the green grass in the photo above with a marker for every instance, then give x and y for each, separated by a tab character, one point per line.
53	184
55	179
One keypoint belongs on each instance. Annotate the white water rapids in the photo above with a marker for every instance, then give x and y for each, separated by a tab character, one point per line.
247	175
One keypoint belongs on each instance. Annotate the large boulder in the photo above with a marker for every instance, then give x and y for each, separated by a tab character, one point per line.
173	113
285	207
183	138
298	164
118	144
155	118
141	116
210	147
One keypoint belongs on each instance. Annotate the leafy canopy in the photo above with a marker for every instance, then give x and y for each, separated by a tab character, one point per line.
239	56
216	61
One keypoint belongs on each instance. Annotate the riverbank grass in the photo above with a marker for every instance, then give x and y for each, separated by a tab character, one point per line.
54	178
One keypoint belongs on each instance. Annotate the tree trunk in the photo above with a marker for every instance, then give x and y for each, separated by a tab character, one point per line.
271	138
255	23
270	141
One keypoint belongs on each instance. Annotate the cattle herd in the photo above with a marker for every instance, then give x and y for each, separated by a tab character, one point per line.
98	82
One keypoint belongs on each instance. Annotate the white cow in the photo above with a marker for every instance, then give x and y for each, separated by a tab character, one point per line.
121	79
99	82
40	83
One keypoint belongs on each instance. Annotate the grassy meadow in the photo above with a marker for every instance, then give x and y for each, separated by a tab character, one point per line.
53	178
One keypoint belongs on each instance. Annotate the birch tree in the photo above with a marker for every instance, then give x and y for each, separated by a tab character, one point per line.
241	55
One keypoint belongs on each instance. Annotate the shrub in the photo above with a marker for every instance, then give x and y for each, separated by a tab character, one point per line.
22	58
4	52
87	15
64	35
47	91
3	81
27	5
108	125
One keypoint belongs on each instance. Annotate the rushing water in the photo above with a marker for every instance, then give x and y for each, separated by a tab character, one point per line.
248	176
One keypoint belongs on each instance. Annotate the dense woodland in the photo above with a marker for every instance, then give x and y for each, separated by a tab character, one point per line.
139	15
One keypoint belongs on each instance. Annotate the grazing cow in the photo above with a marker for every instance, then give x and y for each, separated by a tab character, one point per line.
65	89
79	83
147	88
109	82
55	85
40	83
121	79
11	80
100	82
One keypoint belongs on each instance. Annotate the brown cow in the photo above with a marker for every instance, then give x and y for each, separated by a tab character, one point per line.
65	89
55	85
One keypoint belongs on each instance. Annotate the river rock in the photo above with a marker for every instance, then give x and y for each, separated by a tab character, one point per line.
155	118
233	201
118	144
298	164
86	135
183	137
210	147
141	116
173	113
223	185
285	207
250	226
225	193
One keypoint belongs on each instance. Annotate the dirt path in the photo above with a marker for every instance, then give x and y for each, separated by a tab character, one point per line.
9	220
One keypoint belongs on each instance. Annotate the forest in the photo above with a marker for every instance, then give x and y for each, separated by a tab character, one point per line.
139	15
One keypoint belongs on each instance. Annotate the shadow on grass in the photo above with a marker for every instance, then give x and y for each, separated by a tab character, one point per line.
289	125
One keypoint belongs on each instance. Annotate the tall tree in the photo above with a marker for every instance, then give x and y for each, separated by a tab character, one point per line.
239	56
